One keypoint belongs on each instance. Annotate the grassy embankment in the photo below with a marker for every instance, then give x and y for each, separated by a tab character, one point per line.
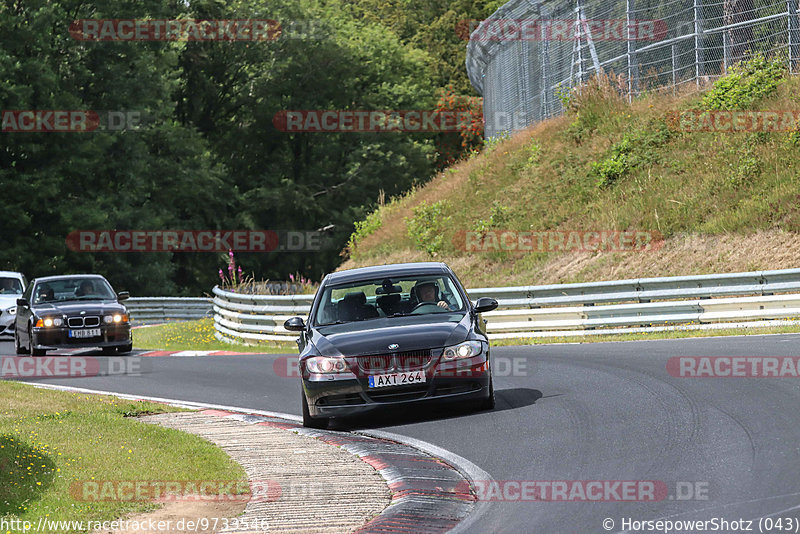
50	440
724	202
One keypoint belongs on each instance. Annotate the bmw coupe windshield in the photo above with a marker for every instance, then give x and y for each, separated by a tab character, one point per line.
389	297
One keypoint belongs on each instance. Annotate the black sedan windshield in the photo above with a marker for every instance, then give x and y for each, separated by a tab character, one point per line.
388	297
59	290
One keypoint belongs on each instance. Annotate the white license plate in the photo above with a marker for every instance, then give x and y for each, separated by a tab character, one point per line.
396	379
91	332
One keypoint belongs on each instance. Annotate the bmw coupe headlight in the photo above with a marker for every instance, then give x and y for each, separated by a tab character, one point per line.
468	349
49	321
324	365
116	318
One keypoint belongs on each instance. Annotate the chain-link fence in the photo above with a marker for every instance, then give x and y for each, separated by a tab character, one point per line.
528	51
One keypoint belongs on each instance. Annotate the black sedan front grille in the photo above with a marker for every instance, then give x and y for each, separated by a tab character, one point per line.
412	360
90	321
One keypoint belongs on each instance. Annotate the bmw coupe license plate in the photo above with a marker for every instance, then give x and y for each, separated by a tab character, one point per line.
396	379
80	334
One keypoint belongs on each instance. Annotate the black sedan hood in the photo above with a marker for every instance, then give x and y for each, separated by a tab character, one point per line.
375	336
74	307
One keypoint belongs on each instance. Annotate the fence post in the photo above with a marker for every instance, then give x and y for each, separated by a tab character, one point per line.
633	74
698	30
791	9
674	70
525	85
589	39
578	43
726	43
545	110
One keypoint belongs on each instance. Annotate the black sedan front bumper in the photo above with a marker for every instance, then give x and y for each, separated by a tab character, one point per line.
345	394
51	338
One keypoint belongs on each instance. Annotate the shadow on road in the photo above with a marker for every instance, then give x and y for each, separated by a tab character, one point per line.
506	399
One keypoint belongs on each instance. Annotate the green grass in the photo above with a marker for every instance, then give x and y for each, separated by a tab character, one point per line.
51	439
198	335
647	336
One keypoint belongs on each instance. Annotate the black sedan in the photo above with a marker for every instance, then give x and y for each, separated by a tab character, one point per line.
71	311
388	335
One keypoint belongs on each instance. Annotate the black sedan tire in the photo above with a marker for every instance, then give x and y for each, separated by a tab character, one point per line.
34	352
489	402
125	349
312	422
19	349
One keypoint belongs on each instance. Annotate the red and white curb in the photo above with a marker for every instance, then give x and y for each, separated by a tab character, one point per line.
433	490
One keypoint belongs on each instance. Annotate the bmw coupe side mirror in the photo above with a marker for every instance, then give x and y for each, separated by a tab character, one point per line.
295	324
123	295
485	304
22	302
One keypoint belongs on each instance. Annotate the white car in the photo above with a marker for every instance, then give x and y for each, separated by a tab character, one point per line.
12	285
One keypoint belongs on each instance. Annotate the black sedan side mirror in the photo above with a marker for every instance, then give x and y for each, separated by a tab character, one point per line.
295	324
485	304
123	295
22	302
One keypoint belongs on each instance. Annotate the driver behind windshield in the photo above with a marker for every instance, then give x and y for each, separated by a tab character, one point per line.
8	285
428	292
86	288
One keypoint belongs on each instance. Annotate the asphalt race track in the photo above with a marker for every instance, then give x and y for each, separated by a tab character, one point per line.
601	411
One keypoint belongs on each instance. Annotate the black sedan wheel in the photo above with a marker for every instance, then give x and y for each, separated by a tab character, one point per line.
489	402
312	422
34	352
19	349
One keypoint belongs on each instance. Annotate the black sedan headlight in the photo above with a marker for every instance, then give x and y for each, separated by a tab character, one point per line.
48	322
468	349
325	365
117	318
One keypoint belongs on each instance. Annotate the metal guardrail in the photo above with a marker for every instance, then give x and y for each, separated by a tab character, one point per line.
643	304
159	309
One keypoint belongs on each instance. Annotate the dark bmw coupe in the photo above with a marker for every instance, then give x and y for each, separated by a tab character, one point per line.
71	311
393	334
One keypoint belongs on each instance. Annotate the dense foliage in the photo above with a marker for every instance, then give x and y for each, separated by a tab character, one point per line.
208	155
